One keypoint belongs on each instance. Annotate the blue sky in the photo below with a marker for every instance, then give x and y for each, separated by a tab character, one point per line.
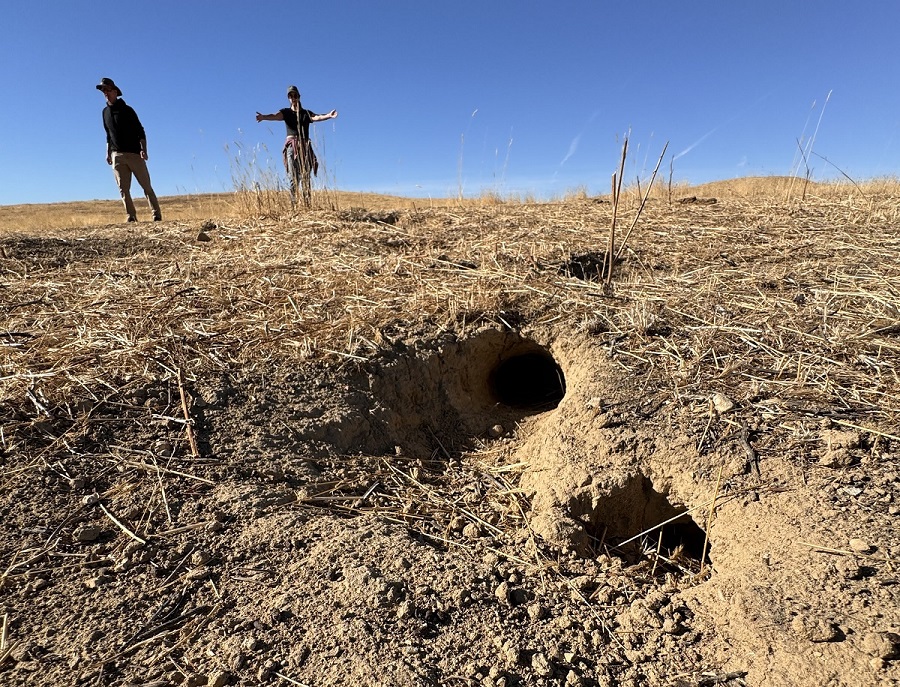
435	97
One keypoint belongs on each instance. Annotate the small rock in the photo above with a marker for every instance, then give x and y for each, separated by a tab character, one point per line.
200	558
497	431
97	582
860	546
540	665
163	448
251	643
538	611
91	499
471	531
405	609
722	403
671	626
218	679
502	593
882	645
86	534
203	236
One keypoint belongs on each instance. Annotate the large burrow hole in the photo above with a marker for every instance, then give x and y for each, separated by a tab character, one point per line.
530	380
463	389
638	523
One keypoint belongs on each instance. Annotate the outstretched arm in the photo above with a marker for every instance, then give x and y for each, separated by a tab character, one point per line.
323	117
275	117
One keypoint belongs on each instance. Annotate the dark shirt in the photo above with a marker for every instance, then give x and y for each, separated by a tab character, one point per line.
290	121
124	131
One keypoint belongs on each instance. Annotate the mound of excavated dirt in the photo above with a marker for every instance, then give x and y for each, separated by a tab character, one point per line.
418	449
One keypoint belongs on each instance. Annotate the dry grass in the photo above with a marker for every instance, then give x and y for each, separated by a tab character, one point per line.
791	307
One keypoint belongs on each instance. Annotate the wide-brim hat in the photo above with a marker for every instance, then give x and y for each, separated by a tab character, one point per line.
108	83
293	89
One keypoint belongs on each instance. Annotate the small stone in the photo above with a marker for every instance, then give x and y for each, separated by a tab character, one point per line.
882	645
497	431
405	609
90	499
218	679
200	558
595	403
502	593
471	531
540	665
538	611
251	643
860	545
163	448
722	403
203	236
97	582
86	534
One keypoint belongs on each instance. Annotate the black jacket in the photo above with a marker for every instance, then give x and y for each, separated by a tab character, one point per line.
124	131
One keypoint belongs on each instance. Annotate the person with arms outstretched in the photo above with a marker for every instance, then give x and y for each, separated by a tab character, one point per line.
299	158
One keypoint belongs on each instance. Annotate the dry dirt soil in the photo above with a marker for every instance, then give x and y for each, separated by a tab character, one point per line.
432	446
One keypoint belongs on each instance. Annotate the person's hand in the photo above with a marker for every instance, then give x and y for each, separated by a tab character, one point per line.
108	159
332	114
259	117
144	155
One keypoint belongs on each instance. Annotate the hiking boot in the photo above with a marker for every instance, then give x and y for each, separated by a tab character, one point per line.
131	218
157	218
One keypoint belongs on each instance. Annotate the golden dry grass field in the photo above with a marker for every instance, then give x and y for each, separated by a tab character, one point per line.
416	442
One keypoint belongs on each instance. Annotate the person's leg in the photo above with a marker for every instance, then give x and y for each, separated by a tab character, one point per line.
289	169
142	174
122	172
303	162
306	183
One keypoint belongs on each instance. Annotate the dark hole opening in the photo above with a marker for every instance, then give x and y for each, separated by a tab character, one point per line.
529	381
685	537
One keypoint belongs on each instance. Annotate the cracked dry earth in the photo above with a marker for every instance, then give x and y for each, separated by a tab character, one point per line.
494	505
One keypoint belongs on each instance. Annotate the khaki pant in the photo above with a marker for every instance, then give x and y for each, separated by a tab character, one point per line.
124	166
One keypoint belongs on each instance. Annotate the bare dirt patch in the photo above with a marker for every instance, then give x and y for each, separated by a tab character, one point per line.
429	446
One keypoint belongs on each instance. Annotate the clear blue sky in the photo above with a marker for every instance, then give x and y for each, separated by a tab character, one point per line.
516	97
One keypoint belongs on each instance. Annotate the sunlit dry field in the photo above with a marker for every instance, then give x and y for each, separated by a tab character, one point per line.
391	441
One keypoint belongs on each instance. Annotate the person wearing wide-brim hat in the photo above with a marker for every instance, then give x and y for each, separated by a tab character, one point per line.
299	158
126	148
